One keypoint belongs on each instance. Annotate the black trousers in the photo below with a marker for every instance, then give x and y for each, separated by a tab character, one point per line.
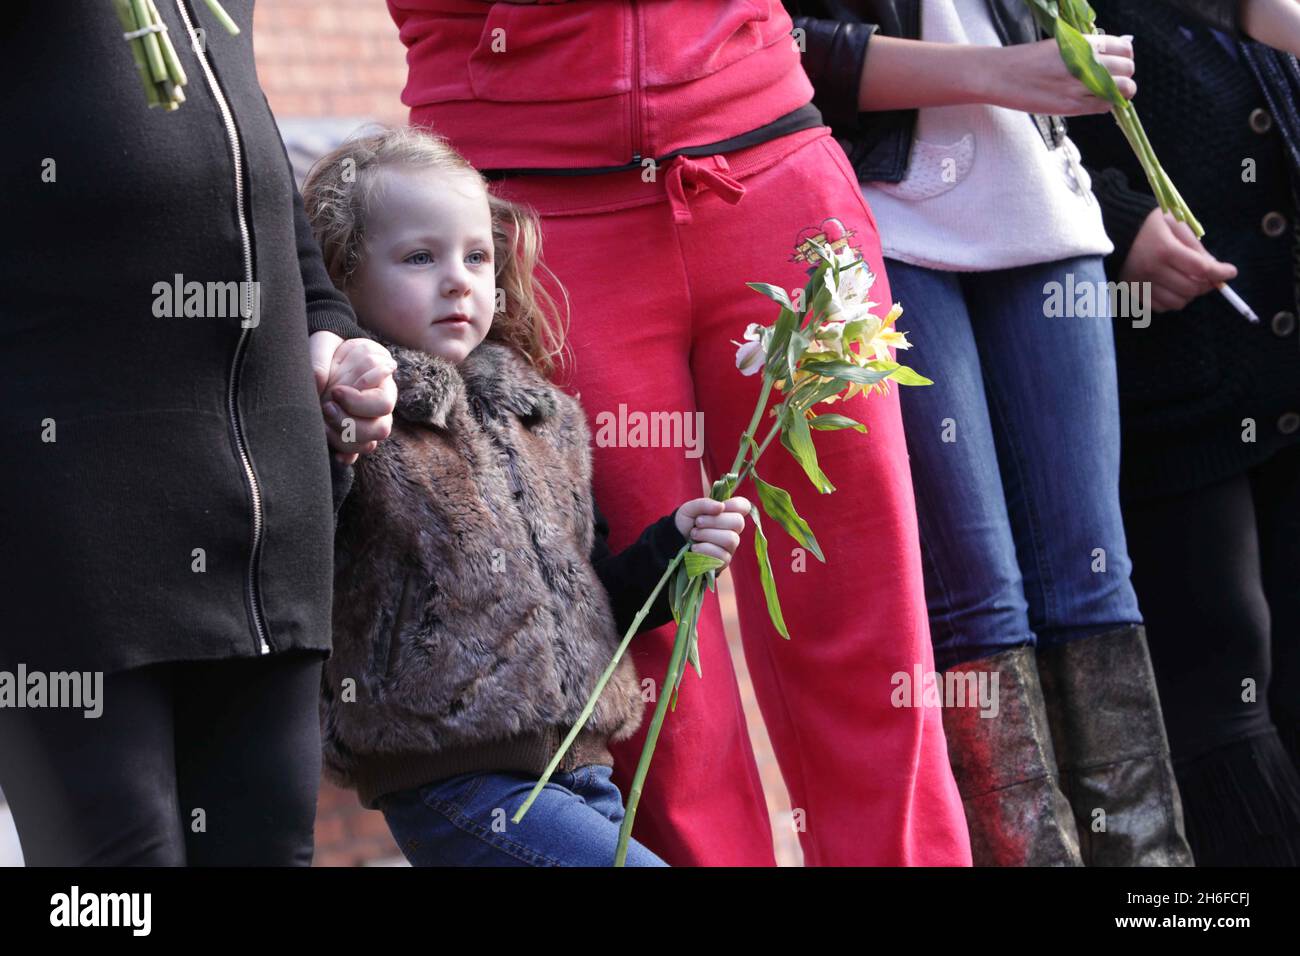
1217	573
203	763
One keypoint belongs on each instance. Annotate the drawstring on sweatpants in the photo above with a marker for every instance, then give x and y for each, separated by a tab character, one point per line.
688	176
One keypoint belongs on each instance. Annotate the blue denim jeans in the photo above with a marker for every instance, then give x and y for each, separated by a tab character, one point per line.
466	821
1015	458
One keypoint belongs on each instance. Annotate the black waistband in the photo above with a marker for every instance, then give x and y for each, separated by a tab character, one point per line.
805	117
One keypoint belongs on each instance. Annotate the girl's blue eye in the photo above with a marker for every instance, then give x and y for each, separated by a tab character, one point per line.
480	258
423	256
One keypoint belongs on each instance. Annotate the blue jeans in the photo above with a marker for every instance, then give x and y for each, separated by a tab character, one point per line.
466	821
1015	458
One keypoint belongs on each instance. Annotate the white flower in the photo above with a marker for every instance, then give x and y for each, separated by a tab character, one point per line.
848	295
750	356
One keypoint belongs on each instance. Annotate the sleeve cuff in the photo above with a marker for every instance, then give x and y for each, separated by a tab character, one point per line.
1123	210
327	317
835	52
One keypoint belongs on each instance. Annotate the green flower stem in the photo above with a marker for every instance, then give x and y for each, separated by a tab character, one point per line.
223	17
675	664
752	463
753	423
174	69
690	609
1177	205
600	684
152	52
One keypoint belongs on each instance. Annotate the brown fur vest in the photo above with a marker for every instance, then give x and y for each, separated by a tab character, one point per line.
469	624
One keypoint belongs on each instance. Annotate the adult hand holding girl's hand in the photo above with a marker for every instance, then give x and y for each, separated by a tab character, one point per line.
354	378
713	527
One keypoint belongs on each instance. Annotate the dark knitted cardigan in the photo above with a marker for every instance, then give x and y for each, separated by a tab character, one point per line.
1193	382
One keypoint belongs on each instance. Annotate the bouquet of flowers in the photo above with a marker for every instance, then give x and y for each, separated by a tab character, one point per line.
151	48
826	346
1068	21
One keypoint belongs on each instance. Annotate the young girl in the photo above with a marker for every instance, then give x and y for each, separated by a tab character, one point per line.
476	601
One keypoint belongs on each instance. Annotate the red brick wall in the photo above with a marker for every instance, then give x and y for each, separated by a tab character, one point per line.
330	58
347	834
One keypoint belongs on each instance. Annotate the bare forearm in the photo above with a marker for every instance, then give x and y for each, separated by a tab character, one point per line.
909	74
1275	22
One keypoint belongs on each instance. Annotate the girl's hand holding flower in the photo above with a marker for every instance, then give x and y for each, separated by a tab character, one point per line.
713	527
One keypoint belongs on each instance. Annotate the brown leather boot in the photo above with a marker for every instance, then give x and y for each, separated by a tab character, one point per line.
1005	768
1112	750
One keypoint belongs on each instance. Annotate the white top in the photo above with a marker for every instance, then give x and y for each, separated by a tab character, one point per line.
982	190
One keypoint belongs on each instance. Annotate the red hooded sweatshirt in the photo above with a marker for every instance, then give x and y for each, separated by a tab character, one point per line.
596	83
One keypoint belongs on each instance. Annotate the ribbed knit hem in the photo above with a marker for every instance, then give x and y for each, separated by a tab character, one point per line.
377	775
341	322
1241	804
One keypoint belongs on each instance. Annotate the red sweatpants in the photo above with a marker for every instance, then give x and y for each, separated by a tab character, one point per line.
655	274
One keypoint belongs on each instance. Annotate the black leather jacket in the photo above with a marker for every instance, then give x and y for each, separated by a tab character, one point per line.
837	36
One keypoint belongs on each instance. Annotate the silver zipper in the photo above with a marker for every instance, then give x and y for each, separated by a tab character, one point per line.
232	134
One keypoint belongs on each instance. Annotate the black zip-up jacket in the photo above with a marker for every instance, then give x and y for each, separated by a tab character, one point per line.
166	494
837	40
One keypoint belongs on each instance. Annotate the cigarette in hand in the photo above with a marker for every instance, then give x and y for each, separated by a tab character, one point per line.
1237	302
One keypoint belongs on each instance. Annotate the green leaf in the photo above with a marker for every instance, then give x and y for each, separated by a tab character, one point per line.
830	422
799	342
848	372
769	582
677	591
1045	13
696	563
907	376
721	489
816	295
820	392
691	623
1081	60
796	437
693	652
1078	14
773	292
824	250
776	348
778	505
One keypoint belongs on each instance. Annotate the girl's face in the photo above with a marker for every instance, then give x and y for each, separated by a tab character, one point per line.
426	278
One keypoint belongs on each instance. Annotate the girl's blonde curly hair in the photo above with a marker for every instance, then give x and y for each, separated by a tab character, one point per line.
337	196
